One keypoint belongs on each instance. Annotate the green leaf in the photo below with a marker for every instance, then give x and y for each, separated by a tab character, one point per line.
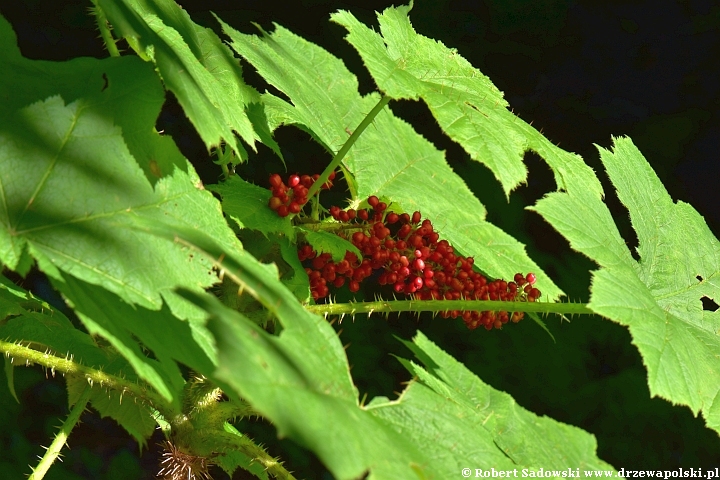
299	381
463	100
298	283
126	89
493	427
197	67
74	213
135	417
326	242
659	296
402	166
247	205
105	314
10	376
468	107
283	378
37	323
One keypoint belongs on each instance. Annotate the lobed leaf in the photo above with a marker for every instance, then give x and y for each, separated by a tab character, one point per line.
390	159
471	409
299	381
71	193
659	296
196	66
468	107
45	328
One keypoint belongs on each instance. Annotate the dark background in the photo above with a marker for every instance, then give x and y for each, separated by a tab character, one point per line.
581	71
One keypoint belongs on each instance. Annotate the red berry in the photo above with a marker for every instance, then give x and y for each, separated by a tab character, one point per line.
275	180
373	201
354	286
293	181
283	211
531	278
416	218
274	203
294	207
300	191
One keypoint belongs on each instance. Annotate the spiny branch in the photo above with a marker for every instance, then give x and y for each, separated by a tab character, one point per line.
383	306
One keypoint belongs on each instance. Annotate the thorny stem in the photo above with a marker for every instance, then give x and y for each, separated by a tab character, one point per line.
346	147
384	306
58	443
102	24
93	376
230	442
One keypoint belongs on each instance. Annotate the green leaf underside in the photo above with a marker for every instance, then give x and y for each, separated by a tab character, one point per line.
326	242
128	89
197	67
468	107
390	159
247	205
658	297
71	193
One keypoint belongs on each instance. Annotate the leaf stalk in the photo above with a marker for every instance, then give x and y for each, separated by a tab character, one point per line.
348	144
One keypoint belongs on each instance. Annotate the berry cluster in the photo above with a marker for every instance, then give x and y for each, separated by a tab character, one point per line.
407	254
290	198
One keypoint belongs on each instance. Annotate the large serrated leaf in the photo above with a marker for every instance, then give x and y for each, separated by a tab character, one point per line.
69	191
298	380
468	403
659	296
196	67
468	107
389	159
127	89
105	314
